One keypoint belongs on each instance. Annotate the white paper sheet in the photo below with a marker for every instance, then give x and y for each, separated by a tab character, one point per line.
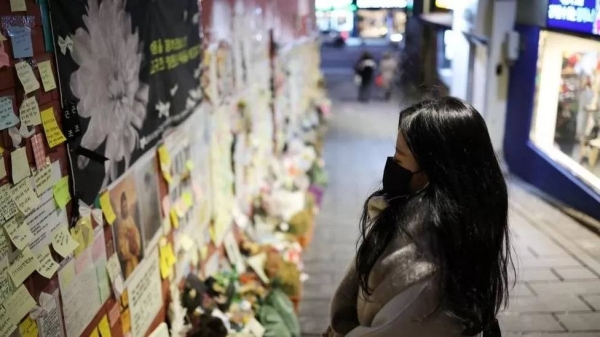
145	294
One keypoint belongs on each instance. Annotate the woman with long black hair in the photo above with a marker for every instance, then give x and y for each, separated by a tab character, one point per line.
433	259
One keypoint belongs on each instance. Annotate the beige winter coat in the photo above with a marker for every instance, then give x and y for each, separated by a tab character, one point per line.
404	297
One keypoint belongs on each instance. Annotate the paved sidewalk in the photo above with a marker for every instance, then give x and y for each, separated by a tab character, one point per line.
558	286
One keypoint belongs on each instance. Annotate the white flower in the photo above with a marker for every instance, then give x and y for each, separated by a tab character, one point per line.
163	109
107	83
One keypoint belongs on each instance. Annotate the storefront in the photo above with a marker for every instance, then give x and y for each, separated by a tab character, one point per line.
335	15
553	118
381	19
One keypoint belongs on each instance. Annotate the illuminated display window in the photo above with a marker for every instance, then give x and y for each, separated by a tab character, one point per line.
381	3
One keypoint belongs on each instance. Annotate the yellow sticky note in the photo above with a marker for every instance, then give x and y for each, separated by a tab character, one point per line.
62	242
20	303
189	164
6	325
18	6
107	209
23	265
18	232
29	112
24	197
47	267
43	179
77	235
104	327
19	165
26	76
188	199
165	266
54	135
174	218
95	333
28	328
203	252
47	76
62	196
163	156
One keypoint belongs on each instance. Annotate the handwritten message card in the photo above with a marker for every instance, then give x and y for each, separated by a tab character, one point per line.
30	112
26	76
22	267
18	232
53	133
47	76
63	243
7	114
6	325
24	197
20	165
21	41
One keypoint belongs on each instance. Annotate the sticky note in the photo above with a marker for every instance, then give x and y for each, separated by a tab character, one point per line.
23	265
107	209
20	303
8	209
167	259
28	328
62	242
188	199
6	325
20	165
6	287
47	267
18	232
61	192
24	197
95	333
21	41
2	168
7	113
30	112
18	6
189	164
26	76
47	76
113	268
2	37
54	135
174	218
104	327
163	156
43	180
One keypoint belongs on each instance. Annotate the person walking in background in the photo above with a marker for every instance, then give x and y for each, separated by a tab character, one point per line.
364	71
387	68
433	258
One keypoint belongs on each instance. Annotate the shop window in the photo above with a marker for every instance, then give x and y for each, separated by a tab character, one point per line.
566	119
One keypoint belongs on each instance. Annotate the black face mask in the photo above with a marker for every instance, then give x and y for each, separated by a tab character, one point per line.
396	179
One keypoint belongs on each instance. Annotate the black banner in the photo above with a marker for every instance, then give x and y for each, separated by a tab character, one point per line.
133	69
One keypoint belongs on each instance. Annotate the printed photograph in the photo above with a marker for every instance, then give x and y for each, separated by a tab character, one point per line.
146	182
126	229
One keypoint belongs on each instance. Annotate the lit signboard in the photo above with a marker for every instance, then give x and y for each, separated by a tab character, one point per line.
445	4
381	3
573	15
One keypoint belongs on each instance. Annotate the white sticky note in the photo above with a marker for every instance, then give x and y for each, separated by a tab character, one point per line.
8	209
19	165
62	242
23	195
18	232
44	180
47	267
21	303
26	76
30	112
47	75
6	325
23	265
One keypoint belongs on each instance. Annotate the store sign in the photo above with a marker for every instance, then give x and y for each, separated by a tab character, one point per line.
381	3
573	15
444	4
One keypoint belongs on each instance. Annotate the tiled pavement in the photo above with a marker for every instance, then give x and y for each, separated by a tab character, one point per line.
558	285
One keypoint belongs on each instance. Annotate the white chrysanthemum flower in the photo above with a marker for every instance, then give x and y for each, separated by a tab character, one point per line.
107	84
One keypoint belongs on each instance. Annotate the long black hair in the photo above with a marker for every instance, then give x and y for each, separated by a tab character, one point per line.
459	220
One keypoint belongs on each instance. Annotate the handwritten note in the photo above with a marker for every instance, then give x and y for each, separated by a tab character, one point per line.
47	76
107	209
23	265
28	328
61	192
8	209
6	325
21	41
18	232
20	303
24	197
7	114
20	165
26	76
47	267
4	249
43	180
6	287
18	6
30	112
63	243
53	133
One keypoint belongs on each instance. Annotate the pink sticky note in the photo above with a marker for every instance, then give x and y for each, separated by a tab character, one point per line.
4	60
39	150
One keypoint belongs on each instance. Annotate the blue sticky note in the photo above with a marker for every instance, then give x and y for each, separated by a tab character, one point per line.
7	114
21	41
